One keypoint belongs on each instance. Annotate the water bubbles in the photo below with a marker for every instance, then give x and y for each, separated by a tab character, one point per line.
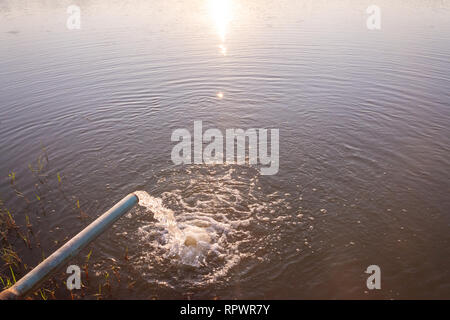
199	223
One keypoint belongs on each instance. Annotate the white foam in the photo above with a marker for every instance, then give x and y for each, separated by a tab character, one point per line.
205	224
188	241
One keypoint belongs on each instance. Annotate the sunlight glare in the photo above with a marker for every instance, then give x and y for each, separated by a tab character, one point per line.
221	13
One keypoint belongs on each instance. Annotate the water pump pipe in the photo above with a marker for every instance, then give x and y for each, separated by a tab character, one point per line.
39	274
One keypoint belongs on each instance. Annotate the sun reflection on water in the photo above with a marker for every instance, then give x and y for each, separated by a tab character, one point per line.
222	15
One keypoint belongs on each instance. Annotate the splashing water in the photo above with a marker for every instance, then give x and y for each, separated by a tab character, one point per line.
189	244
207	225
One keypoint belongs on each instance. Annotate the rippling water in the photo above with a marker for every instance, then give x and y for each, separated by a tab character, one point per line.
364	141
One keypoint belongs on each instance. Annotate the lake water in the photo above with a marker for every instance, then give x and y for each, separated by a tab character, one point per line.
364	143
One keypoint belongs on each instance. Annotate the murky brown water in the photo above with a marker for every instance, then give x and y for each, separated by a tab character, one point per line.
364	142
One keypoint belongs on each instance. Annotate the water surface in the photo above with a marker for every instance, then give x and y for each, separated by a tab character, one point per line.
364	142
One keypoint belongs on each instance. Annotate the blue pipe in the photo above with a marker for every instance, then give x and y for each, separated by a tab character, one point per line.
40	273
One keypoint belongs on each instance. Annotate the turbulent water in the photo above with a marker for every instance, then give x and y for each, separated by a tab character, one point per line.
364	143
215	219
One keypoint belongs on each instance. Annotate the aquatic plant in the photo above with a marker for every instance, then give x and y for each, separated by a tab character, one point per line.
20	229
